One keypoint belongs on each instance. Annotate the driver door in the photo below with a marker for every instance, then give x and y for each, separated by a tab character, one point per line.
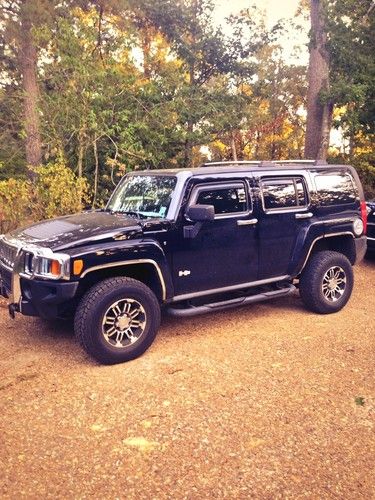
225	251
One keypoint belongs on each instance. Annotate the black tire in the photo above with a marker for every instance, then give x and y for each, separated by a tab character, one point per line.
315	274
99	303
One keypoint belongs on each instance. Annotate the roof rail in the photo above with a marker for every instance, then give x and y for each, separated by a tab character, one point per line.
230	162
264	163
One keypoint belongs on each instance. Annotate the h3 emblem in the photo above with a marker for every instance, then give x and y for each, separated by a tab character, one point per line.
184	273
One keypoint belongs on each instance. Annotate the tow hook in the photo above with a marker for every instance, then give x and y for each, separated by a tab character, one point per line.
12	308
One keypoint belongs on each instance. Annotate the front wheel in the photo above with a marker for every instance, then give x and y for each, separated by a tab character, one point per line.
326	283
117	320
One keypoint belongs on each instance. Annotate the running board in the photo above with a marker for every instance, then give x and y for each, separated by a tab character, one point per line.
227	304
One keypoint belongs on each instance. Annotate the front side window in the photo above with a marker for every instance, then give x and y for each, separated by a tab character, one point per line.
283	193
226	200
143	195
335	189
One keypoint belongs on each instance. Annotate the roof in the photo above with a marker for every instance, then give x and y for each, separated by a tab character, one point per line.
214	168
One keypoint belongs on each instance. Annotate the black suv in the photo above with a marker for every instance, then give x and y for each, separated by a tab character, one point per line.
371	225
191	241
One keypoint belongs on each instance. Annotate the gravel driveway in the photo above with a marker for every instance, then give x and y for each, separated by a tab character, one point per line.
268	401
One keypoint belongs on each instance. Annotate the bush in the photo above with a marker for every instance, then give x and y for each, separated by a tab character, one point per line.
15	203
56	191
366	172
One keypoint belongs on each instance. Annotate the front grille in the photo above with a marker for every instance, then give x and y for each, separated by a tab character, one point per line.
6	278
8	254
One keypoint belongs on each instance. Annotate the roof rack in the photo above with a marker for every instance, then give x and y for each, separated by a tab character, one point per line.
264	163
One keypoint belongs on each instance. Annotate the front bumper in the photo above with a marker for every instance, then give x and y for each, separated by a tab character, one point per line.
360	248
371	234
31	297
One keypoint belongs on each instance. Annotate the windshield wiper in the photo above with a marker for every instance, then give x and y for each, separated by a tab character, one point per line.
131	213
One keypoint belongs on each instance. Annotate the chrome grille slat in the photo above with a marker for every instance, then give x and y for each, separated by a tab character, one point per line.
8	254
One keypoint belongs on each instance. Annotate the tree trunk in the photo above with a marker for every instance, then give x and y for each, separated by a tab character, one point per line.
233	146
28	64
146	49
96	174
80	152
188	157
188	153
319	115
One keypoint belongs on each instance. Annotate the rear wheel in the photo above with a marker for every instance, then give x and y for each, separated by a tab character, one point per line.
326	282
117	320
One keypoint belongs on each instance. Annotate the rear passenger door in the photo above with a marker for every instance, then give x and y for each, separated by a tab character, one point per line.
282	212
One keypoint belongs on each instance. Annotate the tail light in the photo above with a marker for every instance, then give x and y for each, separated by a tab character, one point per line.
364	216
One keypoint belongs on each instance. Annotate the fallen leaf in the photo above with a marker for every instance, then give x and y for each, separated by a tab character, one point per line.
141	443
97	428
255	442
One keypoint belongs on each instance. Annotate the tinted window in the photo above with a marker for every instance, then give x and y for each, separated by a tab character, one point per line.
227	200
145	194
335	189
283	193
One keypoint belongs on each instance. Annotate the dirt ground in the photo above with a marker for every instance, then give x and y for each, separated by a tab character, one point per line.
268	401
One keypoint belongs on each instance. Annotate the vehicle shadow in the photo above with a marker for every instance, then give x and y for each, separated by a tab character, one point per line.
56	327
370	257
220	320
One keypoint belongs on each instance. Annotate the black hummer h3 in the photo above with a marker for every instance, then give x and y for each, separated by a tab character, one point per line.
191	241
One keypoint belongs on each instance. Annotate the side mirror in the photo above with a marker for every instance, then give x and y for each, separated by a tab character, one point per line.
201	213
198	214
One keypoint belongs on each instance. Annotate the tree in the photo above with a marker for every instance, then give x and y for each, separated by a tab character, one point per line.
206	54
20	18
319	113
351	43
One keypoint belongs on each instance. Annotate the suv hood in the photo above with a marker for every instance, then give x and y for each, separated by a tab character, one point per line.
78	229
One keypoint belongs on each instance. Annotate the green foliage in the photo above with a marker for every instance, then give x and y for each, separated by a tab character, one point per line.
366	172
351	45
15	206
360	401
57	191
135	84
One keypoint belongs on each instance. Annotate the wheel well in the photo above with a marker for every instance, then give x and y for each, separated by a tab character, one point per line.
343	244
146	273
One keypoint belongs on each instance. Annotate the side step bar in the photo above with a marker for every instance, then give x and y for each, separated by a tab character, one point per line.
227	304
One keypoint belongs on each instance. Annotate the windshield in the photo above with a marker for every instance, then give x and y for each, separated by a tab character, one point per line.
143	195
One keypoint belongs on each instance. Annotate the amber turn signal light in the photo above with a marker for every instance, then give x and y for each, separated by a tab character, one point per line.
77	267
55	268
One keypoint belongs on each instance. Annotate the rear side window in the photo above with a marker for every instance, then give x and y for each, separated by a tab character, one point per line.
226	200
283	193
335	189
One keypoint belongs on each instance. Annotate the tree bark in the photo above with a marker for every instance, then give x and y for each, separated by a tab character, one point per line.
319	115
188	153
233	146
28	64
80	152
96	174
188	157
146	49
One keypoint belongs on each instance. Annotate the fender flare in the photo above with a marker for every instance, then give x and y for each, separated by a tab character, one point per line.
129	263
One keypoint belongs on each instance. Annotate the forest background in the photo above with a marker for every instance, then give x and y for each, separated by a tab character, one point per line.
90	90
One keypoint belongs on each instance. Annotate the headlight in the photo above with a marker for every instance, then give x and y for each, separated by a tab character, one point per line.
43	263
358	227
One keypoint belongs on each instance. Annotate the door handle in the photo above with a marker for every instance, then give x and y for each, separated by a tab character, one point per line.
307	215
247	222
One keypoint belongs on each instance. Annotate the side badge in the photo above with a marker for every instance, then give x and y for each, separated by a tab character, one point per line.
184	273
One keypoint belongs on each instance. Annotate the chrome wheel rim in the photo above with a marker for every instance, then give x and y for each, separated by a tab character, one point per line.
124	323
334	283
